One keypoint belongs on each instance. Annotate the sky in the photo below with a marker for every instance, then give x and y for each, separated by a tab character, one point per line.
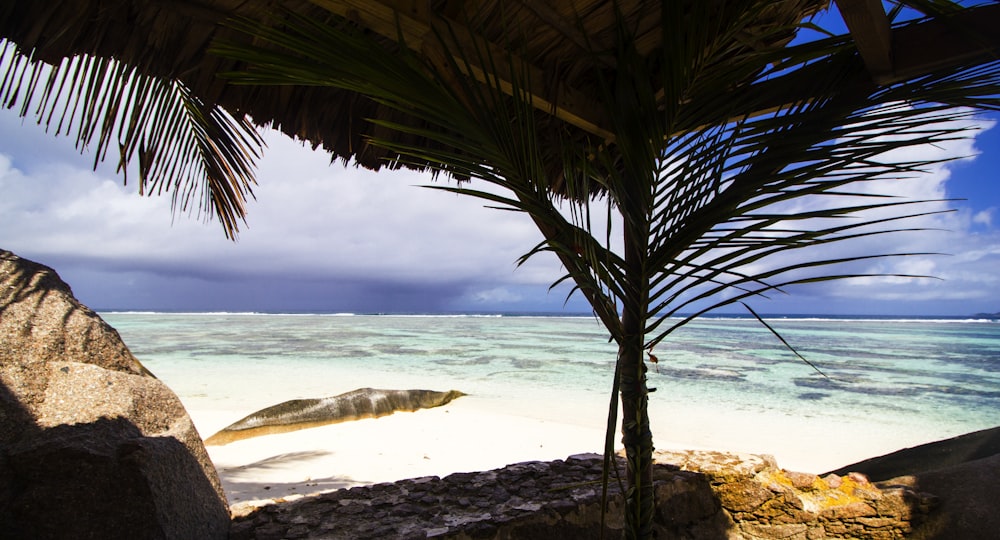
334	238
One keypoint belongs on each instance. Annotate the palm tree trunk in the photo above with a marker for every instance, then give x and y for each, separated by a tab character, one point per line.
636	435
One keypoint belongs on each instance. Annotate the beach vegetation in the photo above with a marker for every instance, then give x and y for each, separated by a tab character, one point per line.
730	165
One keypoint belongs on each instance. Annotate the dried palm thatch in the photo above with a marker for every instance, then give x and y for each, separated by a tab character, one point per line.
553	43
171	40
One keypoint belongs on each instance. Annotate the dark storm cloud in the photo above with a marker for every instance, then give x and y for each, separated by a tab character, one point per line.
326	237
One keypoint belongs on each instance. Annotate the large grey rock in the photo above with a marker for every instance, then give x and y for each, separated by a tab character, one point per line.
105	479
963	473
968	492
86	430
930	456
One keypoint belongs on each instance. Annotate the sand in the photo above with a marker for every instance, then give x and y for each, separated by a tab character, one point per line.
467	435
431	442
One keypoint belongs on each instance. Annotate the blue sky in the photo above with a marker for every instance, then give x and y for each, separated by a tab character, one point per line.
324	237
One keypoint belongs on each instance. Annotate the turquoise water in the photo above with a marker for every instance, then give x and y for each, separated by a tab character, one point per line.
907	381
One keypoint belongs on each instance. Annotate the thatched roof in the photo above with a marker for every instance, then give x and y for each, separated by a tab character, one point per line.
171	39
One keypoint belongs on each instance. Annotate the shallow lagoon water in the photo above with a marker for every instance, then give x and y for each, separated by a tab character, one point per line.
893	383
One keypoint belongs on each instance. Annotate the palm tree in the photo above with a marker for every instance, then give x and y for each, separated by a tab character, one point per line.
686	200
698	192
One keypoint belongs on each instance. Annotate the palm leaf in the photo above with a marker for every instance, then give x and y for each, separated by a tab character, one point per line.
199	154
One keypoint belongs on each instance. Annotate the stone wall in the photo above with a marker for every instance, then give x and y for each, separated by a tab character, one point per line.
700	495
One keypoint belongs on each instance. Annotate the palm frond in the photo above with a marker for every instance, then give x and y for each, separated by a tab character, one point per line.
177	144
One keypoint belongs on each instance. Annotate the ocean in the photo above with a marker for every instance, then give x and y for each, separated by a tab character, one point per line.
885	383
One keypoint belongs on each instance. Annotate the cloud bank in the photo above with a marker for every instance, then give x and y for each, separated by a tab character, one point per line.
322	236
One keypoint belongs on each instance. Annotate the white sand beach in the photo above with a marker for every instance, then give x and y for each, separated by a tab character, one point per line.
431	442
538	389
466	435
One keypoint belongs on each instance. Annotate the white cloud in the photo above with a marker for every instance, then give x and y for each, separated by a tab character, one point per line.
964	262
497	295
311	218
984	217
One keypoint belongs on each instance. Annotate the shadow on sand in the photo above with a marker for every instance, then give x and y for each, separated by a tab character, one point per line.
240	491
